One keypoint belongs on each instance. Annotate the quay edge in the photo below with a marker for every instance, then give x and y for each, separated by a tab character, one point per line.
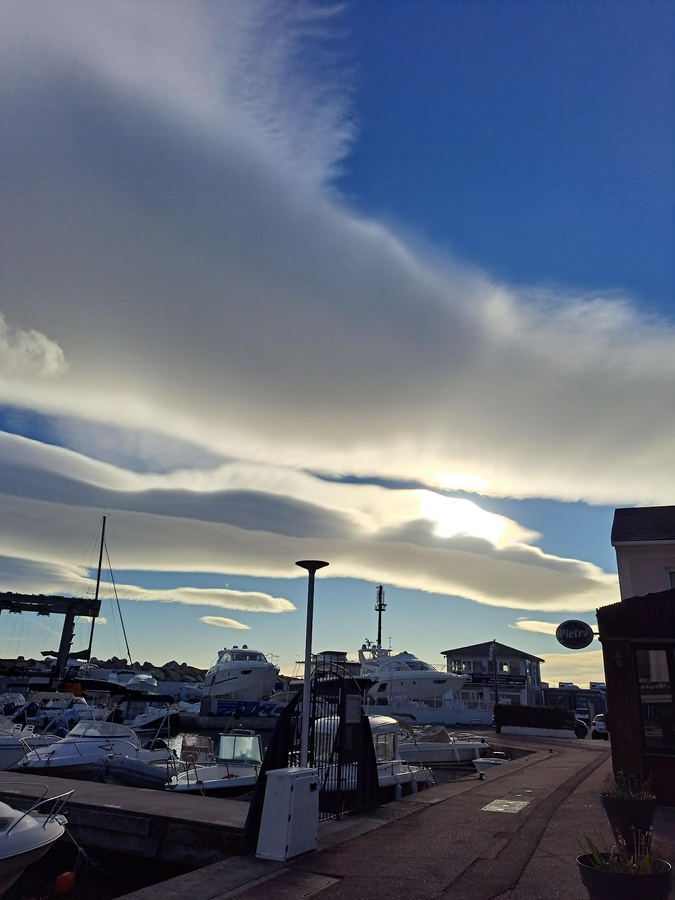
189	831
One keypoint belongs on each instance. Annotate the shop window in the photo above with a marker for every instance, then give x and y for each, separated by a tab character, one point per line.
656	668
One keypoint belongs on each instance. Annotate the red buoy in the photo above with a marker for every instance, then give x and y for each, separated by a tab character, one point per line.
64	883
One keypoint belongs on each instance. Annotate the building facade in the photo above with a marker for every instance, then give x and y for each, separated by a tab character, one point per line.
638	644
644	542
497	673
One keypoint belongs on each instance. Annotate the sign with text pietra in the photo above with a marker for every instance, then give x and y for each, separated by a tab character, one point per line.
574	634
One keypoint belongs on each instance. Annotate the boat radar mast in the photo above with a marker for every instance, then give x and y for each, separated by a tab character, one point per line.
380	607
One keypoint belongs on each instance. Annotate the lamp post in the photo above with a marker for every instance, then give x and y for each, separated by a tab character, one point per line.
311	565
493	657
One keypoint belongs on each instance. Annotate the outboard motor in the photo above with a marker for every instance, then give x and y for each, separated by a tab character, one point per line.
156	744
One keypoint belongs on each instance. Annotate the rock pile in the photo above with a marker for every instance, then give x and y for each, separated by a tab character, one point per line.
170	671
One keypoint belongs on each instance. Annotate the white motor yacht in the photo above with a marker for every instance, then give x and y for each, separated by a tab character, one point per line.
240	674
404	675
25	837
82	752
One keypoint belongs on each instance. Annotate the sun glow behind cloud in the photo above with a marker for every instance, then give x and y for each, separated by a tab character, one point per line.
453	517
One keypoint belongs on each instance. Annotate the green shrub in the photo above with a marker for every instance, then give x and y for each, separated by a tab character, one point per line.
534	716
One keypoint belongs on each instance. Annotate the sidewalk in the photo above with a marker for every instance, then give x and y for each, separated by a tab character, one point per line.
513	836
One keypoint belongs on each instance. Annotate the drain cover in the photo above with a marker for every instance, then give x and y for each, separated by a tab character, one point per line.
509	806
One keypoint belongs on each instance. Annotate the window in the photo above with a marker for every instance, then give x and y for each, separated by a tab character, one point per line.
656	668
460	666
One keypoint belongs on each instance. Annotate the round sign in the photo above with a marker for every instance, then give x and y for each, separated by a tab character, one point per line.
574	635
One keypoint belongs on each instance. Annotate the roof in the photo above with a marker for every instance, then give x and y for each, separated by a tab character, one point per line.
484	650
644	523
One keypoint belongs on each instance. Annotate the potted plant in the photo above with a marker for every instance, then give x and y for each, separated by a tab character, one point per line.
630	805
622	875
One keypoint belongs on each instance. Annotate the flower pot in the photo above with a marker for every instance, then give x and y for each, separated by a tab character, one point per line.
602	884
630	819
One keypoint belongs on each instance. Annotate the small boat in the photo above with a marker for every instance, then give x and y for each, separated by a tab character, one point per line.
25	837
196	750
485	763
136	772
16	739
240	674
396	777
434	745
82	751
234	772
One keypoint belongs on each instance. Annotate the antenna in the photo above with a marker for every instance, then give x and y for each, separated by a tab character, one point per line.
380	607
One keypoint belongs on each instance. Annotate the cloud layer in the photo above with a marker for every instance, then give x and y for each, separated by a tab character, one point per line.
173	238
224	343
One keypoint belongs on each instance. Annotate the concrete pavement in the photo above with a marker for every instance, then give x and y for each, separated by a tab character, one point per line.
513	836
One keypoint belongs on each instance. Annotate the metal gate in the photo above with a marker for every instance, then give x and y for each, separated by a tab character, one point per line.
340	748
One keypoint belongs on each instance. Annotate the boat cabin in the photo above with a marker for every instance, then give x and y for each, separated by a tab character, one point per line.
240	748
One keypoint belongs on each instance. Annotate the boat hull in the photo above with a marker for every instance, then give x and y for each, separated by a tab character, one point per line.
429	753
26	843
13	867
487	763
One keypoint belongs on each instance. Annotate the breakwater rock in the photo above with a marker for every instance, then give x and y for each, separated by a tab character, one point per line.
170	671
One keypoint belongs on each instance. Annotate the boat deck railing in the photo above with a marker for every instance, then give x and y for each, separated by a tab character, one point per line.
58	803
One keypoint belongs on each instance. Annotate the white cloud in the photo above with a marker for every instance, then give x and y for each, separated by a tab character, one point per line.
26	354
220	622
536	627
257	520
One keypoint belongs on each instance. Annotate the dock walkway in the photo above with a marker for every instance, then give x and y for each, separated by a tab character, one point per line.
177	828
513	836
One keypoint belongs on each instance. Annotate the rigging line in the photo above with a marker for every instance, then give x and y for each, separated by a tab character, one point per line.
117	600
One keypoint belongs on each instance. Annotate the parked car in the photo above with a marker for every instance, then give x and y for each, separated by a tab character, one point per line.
599	728
580	728
582	712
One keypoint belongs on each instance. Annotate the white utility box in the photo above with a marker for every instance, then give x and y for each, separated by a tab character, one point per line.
290	818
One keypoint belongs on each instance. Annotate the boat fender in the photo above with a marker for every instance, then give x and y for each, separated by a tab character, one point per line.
398	791
413	783
64	883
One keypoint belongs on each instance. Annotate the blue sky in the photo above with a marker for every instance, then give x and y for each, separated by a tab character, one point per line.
385	284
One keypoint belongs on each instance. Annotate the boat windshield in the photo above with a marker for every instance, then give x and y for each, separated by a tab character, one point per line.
385	746
6	727
407	665
248	656
240	748
93	729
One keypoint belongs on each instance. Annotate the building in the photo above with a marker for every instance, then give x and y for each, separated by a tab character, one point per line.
585	703
644	543
638	645
518	674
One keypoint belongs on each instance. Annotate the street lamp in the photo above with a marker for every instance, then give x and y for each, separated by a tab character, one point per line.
311	565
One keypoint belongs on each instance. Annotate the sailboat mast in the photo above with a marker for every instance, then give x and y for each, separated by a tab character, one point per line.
380	607
98	583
